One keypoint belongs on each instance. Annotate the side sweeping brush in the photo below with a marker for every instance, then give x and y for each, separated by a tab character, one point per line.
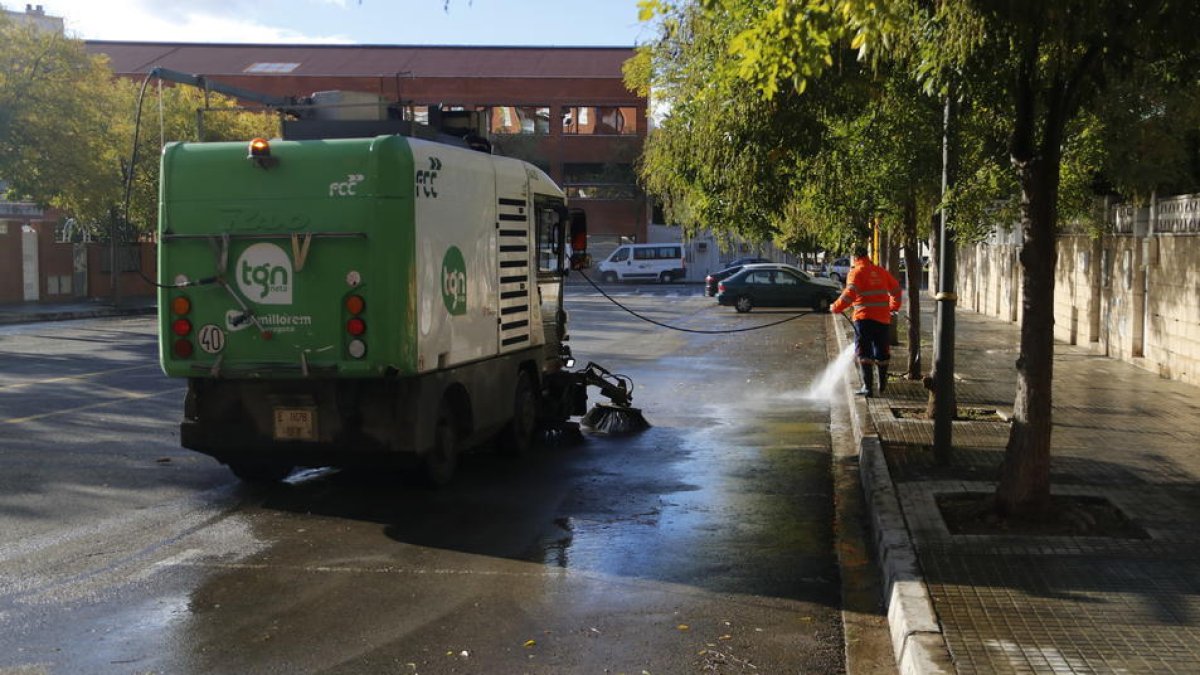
619	416
614	419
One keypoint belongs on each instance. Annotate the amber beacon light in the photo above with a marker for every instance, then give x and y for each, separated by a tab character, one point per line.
260	153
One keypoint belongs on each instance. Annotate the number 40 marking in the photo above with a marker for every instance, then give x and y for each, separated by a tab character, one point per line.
211	338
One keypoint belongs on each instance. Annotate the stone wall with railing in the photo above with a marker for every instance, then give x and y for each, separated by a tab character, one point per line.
1132	293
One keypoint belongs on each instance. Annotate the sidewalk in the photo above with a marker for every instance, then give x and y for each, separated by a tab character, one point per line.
28	312
1022	604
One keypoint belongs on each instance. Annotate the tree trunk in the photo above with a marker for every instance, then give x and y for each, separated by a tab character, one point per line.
1024	489
913	273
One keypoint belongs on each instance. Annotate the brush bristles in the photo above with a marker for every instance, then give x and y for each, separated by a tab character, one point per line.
606	419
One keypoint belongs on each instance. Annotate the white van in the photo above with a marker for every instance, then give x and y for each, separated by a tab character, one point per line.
630	262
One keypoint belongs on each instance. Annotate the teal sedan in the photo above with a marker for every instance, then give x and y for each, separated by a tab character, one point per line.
776	285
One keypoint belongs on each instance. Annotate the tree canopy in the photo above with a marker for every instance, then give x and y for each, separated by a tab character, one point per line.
59	122
1058	98
66	128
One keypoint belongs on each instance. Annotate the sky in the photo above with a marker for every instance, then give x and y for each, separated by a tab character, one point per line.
392	22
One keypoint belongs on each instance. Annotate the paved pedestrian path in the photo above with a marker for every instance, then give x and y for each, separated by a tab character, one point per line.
1024	604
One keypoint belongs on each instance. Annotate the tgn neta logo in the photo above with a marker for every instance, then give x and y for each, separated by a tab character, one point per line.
454	281
264	274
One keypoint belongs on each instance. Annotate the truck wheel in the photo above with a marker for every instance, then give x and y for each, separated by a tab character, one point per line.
744	304
666	278
836	277
519	435
609	277
821	304
439	463
260	471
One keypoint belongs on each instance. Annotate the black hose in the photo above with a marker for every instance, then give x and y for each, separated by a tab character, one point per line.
687	330
137	127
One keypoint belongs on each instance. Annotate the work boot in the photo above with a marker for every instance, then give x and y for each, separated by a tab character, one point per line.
866	370
882	377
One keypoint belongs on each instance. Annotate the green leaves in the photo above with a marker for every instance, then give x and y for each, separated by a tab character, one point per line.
66	127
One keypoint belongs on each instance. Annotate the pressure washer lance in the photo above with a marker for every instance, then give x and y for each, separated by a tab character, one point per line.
619	416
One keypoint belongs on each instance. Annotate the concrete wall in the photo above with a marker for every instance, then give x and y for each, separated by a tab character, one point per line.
1133	294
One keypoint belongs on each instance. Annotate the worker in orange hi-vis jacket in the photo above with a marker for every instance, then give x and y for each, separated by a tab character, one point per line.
874	294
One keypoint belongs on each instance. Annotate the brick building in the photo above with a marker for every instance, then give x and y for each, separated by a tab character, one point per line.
565	109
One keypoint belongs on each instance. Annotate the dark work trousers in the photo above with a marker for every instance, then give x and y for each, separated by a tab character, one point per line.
872	342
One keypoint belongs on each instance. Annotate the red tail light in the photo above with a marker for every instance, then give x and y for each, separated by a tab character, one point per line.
183	348
721	287
356	325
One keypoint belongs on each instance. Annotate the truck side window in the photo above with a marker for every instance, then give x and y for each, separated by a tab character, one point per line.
548	240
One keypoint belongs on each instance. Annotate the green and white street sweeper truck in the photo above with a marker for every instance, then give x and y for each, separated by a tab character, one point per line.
364	301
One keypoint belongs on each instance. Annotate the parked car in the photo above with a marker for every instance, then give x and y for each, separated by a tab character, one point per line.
646	262
776	285
711	281
748	261
838	270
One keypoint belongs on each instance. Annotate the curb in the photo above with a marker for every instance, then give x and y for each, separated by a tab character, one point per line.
36	317
917	640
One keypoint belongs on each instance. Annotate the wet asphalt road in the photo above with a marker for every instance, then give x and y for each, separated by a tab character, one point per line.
701	545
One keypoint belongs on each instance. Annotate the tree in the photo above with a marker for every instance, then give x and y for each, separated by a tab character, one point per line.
170	114
66	128
857	147
1033	66
59	123
1043	63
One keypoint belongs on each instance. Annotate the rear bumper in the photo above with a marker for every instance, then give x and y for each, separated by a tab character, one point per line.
356	421
228	446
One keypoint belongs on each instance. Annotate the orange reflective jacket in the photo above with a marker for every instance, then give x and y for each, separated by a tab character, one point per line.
872	291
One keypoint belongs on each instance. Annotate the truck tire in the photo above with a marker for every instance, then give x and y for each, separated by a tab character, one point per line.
251	471
836	277
743	304
609	277
821	304
520	434
439	463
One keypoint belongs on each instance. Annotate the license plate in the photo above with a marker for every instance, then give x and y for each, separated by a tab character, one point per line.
295	424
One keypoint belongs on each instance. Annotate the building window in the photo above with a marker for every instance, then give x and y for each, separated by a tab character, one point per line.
598	173
600	121
416	113
602	192
268	67
513	119
600	181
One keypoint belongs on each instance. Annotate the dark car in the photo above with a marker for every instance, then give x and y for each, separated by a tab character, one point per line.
711	281
748	261
776	286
